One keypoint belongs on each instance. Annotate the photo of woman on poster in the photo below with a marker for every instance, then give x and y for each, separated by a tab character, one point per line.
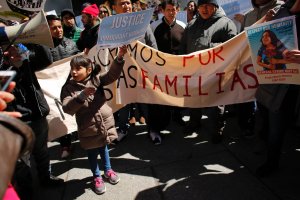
271	54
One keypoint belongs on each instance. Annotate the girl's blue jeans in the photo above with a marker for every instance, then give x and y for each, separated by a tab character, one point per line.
92	157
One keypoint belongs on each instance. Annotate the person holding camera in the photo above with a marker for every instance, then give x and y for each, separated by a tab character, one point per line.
16	140
32	105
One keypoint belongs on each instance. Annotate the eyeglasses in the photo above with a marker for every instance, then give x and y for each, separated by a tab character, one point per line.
103	11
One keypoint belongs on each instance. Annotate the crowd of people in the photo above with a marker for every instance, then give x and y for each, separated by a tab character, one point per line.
276	105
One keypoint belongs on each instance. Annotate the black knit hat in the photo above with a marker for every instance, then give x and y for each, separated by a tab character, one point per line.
200	2
67	11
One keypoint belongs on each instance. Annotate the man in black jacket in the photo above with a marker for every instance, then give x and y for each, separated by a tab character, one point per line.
168	33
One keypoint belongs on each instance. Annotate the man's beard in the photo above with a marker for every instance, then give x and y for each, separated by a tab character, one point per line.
88	25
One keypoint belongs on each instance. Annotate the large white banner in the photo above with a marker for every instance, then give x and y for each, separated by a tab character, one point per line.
217	76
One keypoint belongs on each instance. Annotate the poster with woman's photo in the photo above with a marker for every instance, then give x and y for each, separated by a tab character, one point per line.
269	42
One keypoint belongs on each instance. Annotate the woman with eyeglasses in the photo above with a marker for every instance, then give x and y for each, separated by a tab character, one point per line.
104	11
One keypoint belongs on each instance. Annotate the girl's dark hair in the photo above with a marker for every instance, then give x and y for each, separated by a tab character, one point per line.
86	62
274	39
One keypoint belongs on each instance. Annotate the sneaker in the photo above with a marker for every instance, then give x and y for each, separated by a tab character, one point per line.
99	186
51	181
132	121
142	120
121	135
112	177
65	152
155	137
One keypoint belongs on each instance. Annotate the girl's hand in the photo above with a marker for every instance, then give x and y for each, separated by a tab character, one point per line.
122	51
89	91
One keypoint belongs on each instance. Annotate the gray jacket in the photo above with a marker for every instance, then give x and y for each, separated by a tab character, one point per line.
203	34
63	48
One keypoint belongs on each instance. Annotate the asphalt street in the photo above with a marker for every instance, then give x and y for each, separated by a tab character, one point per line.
184	167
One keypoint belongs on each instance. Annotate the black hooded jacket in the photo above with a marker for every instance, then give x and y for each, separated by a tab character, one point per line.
29	97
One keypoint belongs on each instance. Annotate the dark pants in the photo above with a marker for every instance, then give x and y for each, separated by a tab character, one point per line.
22	181
158	117
176	113
66	140
215	122
245	115
22	177
122	117
275	124
138	109
40	150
